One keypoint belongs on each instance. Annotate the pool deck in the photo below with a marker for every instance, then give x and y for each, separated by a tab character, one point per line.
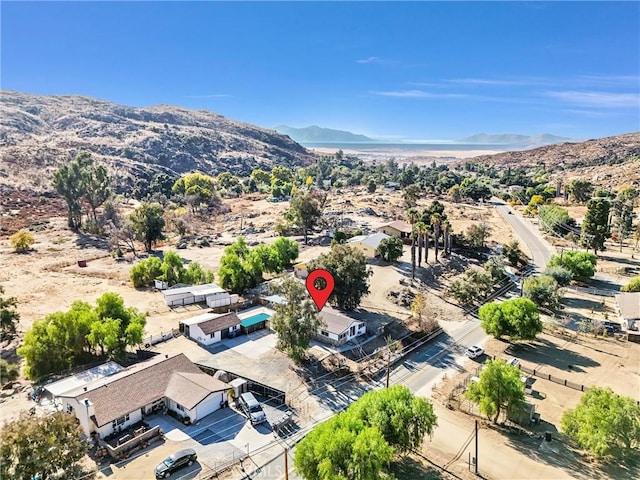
250	312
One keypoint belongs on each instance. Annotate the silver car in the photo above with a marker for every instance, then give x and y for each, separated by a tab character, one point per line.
474	351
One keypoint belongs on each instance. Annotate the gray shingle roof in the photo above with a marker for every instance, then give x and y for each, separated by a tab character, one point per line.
219	323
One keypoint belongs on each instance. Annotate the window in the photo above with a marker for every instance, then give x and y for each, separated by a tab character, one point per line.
69	409
179	407
120	421
212	335
324	333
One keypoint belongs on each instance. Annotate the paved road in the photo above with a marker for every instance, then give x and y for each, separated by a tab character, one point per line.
540	249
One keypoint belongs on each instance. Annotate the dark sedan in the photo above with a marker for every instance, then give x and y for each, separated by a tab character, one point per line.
178	460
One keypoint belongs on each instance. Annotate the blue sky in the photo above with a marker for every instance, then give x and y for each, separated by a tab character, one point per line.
400	70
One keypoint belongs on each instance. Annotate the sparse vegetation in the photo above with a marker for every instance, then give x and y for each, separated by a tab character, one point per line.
22	241
8	316
632	286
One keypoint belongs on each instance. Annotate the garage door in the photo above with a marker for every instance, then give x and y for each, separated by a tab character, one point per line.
208	405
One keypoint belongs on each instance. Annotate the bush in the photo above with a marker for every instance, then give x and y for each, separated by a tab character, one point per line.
561	275
145	272
581	264
8	372
632	286
542	290
22	241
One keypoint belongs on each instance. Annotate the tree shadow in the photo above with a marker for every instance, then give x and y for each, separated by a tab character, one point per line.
410	468
543	351
85	240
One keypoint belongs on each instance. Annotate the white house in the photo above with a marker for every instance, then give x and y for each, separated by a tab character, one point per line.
397	228
628	306
339	328
210	328
210	293
367	244
113	403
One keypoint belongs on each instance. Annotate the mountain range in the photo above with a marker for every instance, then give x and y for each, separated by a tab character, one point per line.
38	133
515	140
315	134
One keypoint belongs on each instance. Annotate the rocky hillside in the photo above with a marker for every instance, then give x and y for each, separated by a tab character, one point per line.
609	162
39	133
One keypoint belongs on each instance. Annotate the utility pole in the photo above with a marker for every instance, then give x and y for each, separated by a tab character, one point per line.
286	462
476	462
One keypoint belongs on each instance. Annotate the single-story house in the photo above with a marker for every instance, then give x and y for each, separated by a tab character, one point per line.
367	244
111	404
83	378
254	319
339	328
210	328
397	228
628	306
210	293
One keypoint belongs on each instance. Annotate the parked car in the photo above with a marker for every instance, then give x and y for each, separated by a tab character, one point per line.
513	362
474	351
178	460
252	408
612	326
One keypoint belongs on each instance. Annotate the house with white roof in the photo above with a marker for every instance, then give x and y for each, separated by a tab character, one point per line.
113	403
338	328
628	306
367	244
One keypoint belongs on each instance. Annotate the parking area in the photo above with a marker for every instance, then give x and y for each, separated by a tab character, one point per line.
219	438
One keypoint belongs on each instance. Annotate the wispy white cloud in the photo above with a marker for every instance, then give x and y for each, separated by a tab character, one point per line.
610	80
370	60
417	94
596	99
210	95
488	81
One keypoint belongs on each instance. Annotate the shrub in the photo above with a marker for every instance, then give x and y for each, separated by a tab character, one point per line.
145	272
632	286
8	372
561	275
22	241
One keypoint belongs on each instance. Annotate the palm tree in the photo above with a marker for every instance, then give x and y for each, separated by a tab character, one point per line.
436	221
412	217
420	228
446	230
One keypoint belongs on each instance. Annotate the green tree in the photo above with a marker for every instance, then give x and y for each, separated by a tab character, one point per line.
555	219
410	195
476	234
286	251
197	189
517	318
305	210
63	340
475	189
595	226
603	422
145	272
632	286
542	290
390	249
233	274
22	241
96	186
42	446
623	219
371	185
172	268
580	190
582	265
161	184
358	444
194	274
402	418
297	321
342	448
349	269
8	316
499	389
513	253
260	176
68	182
560	274
282	174
148	223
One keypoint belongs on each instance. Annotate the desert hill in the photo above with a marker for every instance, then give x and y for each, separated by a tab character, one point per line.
608	162
38	133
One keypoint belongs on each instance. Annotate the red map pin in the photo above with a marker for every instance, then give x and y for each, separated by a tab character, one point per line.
320	295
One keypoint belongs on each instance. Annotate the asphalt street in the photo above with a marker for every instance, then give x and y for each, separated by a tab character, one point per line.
540	249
